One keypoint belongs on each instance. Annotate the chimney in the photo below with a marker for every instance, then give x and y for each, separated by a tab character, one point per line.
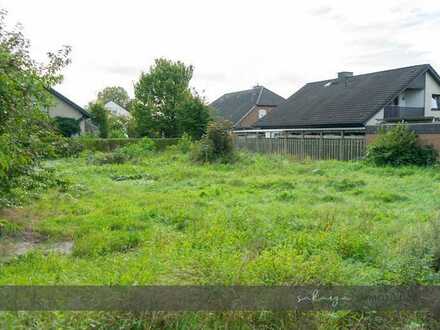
345	75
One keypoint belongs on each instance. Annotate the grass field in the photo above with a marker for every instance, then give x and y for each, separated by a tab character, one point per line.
263	220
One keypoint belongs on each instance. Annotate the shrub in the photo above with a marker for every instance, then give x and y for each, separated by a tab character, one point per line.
185	143
24	97
100	118
67	126
115	157
216	145
65	147
399	146
142	148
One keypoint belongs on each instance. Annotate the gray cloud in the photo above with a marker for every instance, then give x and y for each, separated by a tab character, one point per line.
393	55
402	20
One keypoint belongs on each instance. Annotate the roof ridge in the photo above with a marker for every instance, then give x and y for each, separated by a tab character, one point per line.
375	72
68	101
259	95
117	103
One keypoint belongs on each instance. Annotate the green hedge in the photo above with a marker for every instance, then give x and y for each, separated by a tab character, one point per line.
106	145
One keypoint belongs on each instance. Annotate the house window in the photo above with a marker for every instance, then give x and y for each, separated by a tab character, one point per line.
435	102
396	101
262	113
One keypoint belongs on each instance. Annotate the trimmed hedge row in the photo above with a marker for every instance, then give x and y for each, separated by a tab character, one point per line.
107	145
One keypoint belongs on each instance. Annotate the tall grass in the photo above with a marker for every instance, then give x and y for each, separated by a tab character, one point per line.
262	220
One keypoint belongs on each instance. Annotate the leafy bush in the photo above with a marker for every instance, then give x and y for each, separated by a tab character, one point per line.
100	118
25	187
24	97
185	143
67	126
399	146
115	157
118	127
141	148
216	146
65	147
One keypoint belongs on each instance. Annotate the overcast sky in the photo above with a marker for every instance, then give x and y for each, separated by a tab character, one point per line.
233	44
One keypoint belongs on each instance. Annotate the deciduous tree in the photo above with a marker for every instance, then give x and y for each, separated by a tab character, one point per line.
100	117
24	99
160	94
116	94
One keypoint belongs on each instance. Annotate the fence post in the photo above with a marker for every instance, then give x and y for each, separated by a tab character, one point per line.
320	147
302	147
341	146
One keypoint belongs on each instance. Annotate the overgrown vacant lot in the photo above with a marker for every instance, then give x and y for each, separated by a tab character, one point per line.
259	221
165	220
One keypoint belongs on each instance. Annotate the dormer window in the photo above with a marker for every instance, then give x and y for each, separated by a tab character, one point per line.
435	102
262	113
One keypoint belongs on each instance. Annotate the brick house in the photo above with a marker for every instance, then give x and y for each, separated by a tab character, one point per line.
244	108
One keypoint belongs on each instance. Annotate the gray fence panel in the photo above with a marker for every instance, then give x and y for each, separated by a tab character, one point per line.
314	148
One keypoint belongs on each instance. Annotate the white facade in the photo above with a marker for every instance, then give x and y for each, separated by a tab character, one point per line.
432	87
412	98
376	119
415	98
116	110
61	108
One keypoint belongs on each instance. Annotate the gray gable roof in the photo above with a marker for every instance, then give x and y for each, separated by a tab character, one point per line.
233	106
69	102
335	102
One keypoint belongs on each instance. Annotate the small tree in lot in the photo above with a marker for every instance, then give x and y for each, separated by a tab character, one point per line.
217	145
100	118
164	104
24	98
193	116
399	146
116	94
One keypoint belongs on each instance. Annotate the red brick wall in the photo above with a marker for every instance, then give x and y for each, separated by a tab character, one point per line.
426	139
252	117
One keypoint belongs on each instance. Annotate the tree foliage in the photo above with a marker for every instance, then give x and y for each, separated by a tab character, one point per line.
193	117
116	94
399	146
24	99
164	105
100	117
118	127
217	145
68	126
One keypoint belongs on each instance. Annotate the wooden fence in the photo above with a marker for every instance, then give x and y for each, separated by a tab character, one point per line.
314	148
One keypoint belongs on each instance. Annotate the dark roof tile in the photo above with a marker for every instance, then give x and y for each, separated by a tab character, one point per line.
233	106
348	102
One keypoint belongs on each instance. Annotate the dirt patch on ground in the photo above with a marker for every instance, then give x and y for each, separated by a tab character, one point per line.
10	249
26	239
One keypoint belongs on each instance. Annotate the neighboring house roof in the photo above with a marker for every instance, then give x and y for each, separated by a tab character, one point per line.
234	106
116	109
69	102
348	101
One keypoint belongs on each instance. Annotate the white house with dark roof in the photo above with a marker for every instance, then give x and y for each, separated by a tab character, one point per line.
66	108
354	103
116	109
244	108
